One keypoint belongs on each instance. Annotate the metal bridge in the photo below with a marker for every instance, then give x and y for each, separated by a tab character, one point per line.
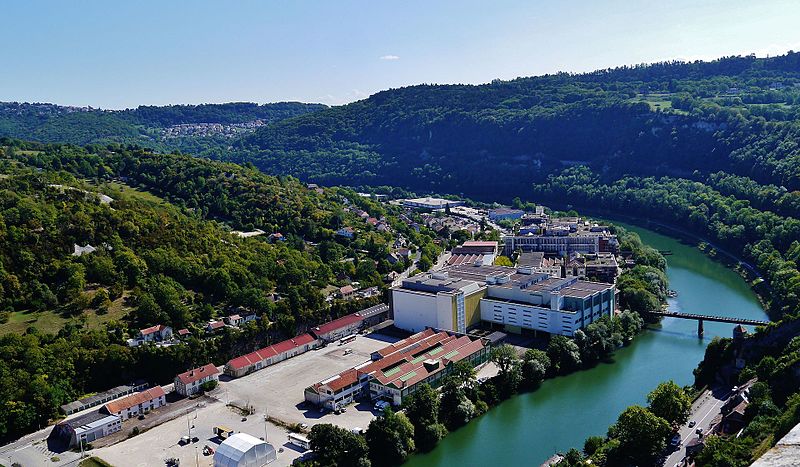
701	318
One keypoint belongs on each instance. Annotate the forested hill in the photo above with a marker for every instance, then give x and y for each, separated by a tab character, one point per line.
183	127
737	114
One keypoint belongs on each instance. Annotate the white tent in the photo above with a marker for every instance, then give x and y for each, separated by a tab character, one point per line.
243	450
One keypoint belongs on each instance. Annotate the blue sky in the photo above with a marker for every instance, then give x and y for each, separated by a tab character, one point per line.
123	54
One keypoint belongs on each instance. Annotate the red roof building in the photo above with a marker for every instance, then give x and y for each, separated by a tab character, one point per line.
338	328
138	403
189	383
395	370
267	356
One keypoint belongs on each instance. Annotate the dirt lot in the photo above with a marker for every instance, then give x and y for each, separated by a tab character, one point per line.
279	389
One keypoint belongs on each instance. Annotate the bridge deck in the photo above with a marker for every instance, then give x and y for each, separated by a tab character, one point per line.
719	319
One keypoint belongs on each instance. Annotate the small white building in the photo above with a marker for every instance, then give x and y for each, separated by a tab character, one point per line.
189	383
87	428
243	450
155	333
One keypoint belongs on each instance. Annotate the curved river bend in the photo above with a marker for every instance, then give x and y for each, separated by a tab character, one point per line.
563	412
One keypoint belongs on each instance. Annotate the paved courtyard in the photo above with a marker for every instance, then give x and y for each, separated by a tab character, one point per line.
154	446
279	389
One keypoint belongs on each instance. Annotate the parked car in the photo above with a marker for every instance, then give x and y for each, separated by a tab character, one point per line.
699	431
692	424
675	441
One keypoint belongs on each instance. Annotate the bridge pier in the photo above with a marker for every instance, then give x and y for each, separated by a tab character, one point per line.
700	328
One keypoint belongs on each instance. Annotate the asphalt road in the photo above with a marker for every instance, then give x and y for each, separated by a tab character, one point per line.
704	410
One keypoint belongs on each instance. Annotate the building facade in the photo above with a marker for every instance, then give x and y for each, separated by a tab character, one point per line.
398	369
86	428
459	297
190	382
136	404
267	356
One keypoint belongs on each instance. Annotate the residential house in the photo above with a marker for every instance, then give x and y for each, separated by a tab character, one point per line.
155	333
190	382
347	291
214	326
138	403
233	320
346	232
276	237
184	333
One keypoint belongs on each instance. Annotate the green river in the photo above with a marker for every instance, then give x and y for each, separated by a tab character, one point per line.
563	412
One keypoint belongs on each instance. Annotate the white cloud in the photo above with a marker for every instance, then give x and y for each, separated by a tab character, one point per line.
390	57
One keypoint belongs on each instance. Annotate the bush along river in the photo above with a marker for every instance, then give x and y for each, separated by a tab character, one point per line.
529	428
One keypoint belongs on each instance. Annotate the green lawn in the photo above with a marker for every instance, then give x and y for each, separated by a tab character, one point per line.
118	190
94	462
52	322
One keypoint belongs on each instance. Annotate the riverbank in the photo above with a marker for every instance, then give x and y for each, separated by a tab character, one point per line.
744	269
564	411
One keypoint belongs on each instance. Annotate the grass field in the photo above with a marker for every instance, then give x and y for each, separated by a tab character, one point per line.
94	462
52	322
118	190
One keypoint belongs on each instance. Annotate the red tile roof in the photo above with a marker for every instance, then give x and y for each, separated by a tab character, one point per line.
216	325
403	363
347	289
196	374
184	332
262	354
134	399
479	243
336	324
152	329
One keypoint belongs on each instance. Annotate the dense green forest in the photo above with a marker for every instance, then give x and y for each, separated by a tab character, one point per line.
737	114
165	254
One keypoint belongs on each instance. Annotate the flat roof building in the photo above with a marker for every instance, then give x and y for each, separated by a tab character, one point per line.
459	297
433	204
86	428
562	236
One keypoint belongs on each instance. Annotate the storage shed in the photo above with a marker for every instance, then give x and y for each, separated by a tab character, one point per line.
243	450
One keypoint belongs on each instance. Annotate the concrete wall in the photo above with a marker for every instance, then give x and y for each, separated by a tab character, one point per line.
415	311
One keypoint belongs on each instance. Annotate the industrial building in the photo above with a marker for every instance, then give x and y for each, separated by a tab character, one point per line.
516	299
102	397
397	370
86	428
139	403
338	328
501	214
562	236
433	204
267	356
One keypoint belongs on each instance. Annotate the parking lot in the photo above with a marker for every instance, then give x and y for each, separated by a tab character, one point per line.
153	447
279	389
